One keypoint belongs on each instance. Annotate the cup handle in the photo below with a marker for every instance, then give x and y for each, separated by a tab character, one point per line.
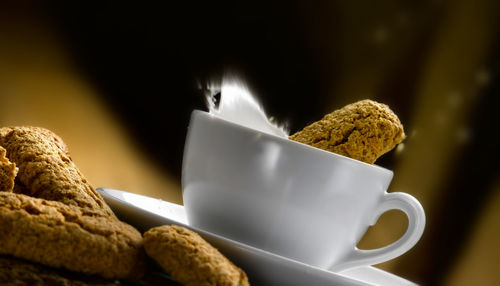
416	224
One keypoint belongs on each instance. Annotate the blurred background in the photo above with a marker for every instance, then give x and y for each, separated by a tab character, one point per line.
118	81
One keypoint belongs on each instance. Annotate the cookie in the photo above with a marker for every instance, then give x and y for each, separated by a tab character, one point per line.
8	172
189	259
65	236
364	130
24	273
46	169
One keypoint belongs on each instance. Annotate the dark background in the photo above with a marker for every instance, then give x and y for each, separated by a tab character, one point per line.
302	60
150	60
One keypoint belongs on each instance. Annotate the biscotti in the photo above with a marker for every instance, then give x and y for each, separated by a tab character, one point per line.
189	259
66	236
364	130
46	170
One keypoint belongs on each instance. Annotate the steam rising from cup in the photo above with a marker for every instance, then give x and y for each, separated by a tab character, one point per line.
238	105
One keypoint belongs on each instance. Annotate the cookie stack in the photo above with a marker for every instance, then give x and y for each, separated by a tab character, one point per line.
54	226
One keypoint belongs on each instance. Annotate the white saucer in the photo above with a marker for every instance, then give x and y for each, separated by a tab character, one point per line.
262	268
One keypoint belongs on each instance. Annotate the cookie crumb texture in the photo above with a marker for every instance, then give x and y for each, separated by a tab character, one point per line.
46	169
364	130
19	272
64	236
50	214
189	259
8	172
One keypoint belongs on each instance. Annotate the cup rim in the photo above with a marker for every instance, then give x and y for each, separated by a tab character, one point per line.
206	114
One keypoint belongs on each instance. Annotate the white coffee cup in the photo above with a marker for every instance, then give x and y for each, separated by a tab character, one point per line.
288	198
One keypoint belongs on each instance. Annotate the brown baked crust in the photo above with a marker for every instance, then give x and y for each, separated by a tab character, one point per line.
46	170
19	272
8	172
364	130
189	259
63	236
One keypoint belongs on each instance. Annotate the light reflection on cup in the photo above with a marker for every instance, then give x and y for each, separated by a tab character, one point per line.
288	198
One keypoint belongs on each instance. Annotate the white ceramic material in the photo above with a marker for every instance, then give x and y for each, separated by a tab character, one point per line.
262	268
288	198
